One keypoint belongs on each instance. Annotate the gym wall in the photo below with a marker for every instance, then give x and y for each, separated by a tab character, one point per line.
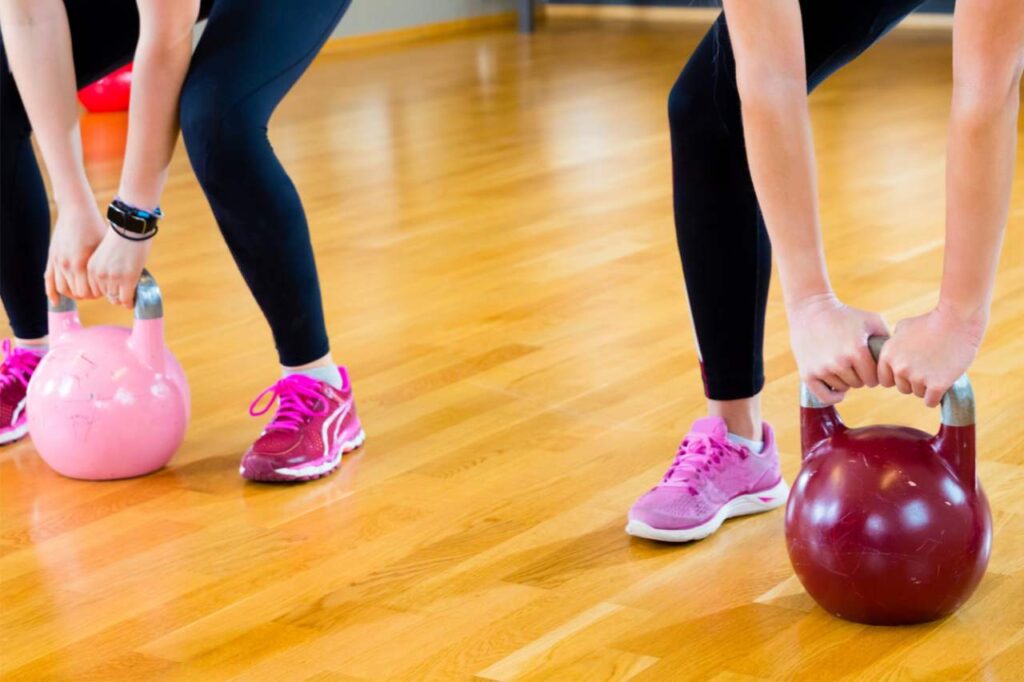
370	16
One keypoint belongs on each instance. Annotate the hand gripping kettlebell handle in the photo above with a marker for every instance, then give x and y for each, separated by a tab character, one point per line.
62	318
64	305
147	335
955	441
957	403
148	301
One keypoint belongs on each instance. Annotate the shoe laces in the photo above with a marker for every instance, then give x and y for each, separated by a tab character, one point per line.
699	456
299	399
18	365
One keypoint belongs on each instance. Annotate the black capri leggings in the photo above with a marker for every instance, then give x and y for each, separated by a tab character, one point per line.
249	57
722	239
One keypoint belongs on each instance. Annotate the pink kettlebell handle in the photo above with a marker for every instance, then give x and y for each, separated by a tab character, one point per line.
147	338
63	318
955	441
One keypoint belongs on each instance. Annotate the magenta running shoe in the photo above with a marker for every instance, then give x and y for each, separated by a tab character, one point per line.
15	371
711	479
314	426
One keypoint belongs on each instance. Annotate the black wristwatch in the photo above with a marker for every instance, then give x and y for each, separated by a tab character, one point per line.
133	223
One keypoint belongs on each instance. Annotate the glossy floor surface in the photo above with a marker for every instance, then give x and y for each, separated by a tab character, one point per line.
492	216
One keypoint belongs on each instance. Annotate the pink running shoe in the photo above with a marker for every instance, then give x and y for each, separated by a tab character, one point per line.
711	479
314	426
15	371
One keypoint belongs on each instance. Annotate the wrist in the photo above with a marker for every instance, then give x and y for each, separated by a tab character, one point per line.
74	200
131	222
811	297
147	201
972	317
802	285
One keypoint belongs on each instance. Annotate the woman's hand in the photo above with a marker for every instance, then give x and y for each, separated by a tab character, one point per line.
926	354
830	342
115	268
79	230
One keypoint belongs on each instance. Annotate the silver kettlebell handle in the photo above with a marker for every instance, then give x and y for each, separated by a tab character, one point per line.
64	305
957	405
149	304
148	301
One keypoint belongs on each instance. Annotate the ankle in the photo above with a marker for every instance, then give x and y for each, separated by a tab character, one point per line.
39	346
327	373
325	361
742	417
755	446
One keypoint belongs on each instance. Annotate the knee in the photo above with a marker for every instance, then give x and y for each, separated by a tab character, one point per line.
683	107
217	138
693	115
199	123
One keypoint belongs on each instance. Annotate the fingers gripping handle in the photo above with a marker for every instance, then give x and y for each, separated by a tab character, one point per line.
808	399
64	305
955	442
148	301
875	344
957	404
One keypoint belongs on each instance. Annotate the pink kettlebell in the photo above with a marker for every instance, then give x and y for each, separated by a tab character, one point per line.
108	402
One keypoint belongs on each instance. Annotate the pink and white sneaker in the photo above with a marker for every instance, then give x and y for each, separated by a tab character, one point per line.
314	426
711	479
15	371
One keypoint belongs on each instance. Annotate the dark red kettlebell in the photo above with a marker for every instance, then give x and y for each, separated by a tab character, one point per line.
889	525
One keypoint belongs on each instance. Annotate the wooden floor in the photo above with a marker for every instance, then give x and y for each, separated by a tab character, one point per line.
493	224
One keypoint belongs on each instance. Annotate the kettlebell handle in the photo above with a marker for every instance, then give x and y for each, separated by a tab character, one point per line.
957	405
148	301
149	304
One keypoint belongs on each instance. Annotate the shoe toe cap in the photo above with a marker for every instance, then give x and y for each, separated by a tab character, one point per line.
666	510
258	466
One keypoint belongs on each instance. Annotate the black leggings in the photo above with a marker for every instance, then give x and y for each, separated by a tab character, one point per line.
249	57
722	238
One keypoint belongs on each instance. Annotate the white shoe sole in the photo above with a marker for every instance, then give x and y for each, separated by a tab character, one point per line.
322	468
14	434
754	503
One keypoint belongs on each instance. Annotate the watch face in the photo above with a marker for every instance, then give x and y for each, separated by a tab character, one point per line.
128	221
135	223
